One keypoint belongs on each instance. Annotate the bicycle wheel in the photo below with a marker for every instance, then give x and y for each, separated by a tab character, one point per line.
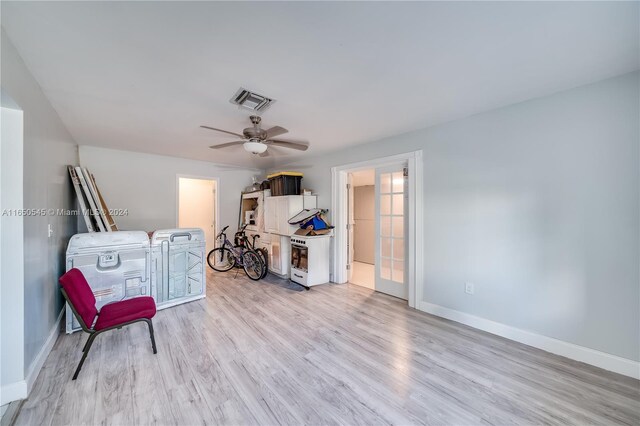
221	259
264	256
252	265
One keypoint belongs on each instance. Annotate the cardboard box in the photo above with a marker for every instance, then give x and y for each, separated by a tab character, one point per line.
312	232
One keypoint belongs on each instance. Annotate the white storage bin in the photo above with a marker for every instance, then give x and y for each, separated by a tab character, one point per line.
115	264
178	272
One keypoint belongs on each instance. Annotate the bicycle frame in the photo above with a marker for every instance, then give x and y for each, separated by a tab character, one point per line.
239	251
236	251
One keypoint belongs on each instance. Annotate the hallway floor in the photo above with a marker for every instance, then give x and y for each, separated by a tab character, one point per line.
363	275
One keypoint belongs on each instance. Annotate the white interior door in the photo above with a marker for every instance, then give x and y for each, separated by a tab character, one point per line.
196	207
391	227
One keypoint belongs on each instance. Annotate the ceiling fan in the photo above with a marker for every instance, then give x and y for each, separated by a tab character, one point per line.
256	140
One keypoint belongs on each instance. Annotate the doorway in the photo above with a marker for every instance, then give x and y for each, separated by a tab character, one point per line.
376	239
398	233
197	206
361	235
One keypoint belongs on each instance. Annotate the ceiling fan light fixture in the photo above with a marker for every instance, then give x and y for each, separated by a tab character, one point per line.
254	147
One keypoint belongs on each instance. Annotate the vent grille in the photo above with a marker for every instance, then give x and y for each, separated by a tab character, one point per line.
251	100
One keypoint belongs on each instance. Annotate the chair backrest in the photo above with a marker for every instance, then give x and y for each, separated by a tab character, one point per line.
80	296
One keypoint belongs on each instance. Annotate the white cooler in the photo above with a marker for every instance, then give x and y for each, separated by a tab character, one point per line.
116	265
178	272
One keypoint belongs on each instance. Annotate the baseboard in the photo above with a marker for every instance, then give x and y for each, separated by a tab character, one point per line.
38	362
20	390
594	357
13	392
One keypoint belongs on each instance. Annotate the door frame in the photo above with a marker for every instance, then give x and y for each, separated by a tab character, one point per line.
216	200
415	208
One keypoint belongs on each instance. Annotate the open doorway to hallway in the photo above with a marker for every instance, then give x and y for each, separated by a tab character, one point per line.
362	228
197	206
377	228
398	234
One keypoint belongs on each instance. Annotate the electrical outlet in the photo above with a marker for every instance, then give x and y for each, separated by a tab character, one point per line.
469	288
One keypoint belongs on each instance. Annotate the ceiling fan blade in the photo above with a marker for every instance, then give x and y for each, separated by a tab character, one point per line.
299	145
224	145
276	131
264	154
223	131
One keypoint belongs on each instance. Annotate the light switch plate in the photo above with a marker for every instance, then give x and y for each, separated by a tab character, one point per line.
469	288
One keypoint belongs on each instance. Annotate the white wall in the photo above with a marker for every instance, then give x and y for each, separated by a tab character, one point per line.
537	204
146	185
48	149
12	384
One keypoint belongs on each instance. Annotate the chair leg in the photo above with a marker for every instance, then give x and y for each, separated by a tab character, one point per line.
153	339
86	349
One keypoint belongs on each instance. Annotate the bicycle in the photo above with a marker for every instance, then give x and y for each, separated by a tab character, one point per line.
242	240
225	257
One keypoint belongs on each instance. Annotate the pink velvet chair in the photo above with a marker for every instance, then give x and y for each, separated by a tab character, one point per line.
78	294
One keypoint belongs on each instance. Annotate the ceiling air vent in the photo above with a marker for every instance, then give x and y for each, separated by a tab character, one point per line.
251	100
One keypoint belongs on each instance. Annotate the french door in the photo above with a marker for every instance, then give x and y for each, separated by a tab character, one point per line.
391	226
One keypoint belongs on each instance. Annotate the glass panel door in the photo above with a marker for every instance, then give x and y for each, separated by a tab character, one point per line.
390	231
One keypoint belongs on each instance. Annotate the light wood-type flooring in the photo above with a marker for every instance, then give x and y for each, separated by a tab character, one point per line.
264	353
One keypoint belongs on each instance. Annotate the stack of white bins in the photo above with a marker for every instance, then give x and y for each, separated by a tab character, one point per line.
124	264
115	264
177	266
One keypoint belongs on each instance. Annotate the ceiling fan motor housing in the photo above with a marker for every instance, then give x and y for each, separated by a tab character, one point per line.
255	132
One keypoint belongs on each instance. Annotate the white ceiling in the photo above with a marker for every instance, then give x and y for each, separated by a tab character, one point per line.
143	76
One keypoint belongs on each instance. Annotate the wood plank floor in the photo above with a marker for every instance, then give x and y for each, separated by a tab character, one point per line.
262	353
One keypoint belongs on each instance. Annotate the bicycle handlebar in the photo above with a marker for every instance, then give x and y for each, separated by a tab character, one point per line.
222	232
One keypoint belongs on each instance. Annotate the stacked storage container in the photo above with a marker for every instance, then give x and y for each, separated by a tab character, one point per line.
116	265
124	264
178	271
285	183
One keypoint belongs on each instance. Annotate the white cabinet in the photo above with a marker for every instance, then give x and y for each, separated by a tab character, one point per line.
279	255
278	211
270	209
